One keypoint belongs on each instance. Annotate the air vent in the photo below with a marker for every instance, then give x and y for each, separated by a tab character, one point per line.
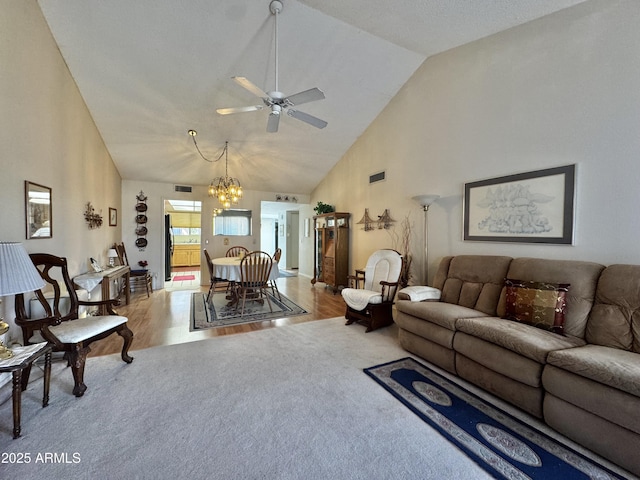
376	177
183	188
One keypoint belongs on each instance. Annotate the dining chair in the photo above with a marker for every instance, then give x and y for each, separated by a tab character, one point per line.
236	251
274	285
254	279
60	323
138	277
215	281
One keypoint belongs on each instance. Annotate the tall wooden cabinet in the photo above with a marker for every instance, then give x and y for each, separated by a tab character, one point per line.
331	250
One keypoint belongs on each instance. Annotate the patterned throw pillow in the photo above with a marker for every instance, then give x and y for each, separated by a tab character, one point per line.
540	304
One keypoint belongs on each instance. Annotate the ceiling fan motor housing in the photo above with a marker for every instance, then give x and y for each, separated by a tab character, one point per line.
275	7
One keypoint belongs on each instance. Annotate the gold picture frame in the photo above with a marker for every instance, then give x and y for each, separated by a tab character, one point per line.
38	211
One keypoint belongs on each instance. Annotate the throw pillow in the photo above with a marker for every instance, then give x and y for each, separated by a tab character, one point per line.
540	304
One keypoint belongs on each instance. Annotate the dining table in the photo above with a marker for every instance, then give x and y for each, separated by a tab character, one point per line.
228	268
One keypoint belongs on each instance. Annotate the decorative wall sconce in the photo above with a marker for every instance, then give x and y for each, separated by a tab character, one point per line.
385	220
366	221
94	220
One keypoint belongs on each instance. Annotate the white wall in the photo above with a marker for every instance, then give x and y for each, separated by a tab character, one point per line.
47	136
560	90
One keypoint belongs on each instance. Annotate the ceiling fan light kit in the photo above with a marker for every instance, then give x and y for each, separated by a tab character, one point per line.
275	100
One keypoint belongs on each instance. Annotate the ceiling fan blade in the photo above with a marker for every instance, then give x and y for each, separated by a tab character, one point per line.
227	111
310	95
247	84
273	122
305	117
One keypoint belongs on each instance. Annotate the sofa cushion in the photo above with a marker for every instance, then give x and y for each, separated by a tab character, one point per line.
620	407
614	320
610	366
539	304
533	343
440	313
582	276
472	281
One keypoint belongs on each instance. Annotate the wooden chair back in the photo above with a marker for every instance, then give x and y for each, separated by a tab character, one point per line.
255	268
235	251
209	264
277	255
122	253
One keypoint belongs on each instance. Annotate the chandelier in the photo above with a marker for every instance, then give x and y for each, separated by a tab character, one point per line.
226	189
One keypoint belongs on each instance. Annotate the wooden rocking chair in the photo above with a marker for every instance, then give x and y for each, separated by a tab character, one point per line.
370	298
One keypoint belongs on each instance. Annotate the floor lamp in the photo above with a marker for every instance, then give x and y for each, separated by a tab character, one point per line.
425	201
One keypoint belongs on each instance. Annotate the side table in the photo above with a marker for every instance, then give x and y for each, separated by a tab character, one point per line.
20	366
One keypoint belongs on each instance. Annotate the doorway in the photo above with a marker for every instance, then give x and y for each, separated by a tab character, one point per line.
182	243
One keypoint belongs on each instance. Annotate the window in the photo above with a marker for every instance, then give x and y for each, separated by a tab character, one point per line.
232	222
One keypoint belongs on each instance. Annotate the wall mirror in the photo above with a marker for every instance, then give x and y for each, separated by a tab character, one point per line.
38	210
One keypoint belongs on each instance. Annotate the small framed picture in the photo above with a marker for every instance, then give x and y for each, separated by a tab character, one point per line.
113	217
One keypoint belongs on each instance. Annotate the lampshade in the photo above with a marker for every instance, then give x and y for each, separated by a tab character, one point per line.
425	200
111	253
18	274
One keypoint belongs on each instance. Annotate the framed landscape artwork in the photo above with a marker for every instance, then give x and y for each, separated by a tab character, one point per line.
38	211
532	207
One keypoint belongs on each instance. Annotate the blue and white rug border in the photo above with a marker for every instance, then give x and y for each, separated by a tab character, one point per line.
485	456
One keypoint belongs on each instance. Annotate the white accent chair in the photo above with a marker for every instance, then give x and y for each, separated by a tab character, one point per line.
372	290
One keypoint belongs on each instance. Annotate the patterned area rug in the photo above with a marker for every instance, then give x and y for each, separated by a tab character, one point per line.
498	442
217	313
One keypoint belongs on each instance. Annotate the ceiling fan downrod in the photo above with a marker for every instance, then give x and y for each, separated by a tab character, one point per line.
275	7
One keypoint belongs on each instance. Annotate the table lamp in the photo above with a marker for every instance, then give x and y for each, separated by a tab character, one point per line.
18	274
112	254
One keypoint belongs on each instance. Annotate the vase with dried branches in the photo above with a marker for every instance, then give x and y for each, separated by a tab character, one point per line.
401	242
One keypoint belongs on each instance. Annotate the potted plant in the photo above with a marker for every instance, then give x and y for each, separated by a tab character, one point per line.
322	208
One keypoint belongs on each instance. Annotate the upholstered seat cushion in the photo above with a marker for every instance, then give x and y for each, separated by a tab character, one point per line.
610	366
440	313
533	343
358	299
75	331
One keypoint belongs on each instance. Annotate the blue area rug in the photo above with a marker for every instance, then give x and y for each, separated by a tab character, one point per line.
498	442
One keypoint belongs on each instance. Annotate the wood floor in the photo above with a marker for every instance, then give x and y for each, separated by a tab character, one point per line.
163	319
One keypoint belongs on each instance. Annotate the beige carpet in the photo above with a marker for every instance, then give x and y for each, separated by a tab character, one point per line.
289	402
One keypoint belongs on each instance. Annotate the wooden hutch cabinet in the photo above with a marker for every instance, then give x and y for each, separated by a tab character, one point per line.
331	249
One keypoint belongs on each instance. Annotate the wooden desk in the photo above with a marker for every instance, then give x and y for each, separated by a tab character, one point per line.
20	366
89	281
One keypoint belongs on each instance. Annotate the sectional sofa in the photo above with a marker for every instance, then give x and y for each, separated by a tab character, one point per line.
580	372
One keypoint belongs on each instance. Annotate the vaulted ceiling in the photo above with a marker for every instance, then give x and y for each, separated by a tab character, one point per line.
150	70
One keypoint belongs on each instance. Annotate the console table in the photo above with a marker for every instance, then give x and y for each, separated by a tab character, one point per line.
20	366
91	280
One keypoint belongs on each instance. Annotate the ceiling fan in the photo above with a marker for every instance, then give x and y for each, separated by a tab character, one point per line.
276	101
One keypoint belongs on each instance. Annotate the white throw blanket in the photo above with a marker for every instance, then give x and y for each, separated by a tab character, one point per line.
418	293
